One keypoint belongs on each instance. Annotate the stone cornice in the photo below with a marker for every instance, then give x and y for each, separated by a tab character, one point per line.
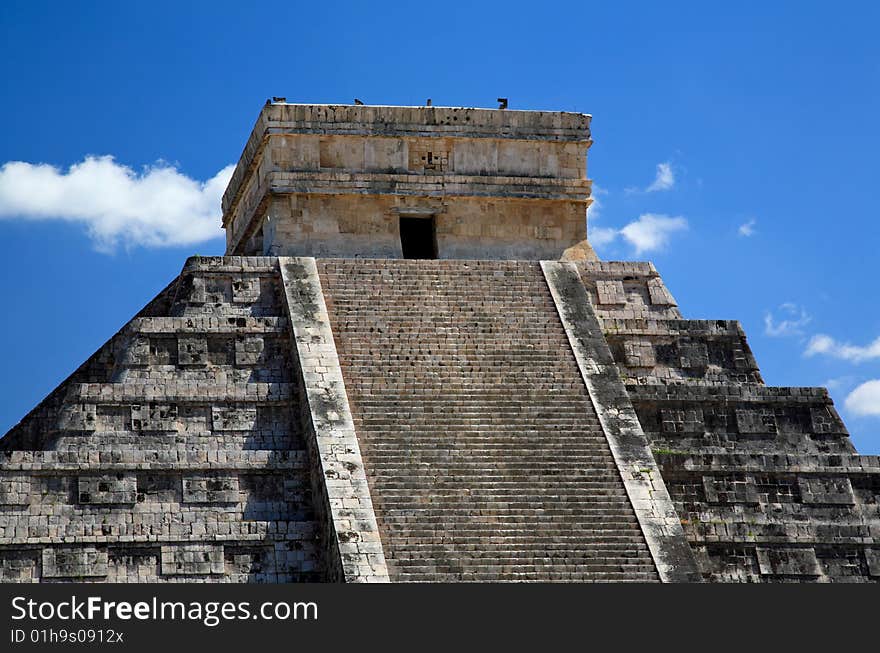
416	122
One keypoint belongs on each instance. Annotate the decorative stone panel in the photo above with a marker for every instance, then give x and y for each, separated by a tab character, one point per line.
107	489
660	295
192	560
248	350
210	489
233	418
192	351
18	566
872	557
610	291
138	352
693	355
788	561
245	290
834	490
78	417
197	294
756	421
15	490
730	489
689	420
154	417
639	353
824	419
70	562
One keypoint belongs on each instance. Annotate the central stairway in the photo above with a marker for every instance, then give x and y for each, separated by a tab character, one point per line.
484	454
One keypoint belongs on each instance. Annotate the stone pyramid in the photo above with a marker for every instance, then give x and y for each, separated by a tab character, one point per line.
410	366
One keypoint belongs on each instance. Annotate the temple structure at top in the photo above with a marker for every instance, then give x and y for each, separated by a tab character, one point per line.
410	182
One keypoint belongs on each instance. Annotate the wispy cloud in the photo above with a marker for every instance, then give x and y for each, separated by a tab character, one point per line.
598	235
747	228
826	345
601	236
652	231
840	382
791	321
664	180
865	399
159	206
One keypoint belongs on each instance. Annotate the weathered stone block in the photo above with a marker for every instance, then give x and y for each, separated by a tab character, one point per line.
730	489
610	291
245	289
249	350
682	420
154	417
107	489
192	560
78	562
138	352
233	418
835	490
18	566
824	419
788	561
660	295
78	417
210	489
15	490
197	293
693	355
192	351
872	557
755	421
639	353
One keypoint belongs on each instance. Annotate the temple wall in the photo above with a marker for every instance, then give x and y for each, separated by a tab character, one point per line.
360	226
333	181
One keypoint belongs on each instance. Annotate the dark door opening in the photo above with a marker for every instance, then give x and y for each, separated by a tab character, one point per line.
418	237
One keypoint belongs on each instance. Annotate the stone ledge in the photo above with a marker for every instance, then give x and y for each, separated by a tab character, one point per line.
726	463
190	392
52	462
168	326
745	393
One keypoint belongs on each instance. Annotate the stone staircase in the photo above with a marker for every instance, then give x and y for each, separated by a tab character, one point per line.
483	452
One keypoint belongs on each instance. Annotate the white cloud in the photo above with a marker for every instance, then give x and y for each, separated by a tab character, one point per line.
865	399
748	228
840	382
664	180
792	321
651	232
824	344
159	206
600	236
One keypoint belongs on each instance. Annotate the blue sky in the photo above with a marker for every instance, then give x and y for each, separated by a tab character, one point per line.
735	147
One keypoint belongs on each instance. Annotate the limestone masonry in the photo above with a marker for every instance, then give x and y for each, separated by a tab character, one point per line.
411	366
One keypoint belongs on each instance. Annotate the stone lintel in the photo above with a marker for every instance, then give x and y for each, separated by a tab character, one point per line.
644	485
339	478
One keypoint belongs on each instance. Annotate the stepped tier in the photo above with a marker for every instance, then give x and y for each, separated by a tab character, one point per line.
280	419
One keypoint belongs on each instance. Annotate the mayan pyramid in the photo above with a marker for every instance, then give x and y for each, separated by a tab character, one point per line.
411	366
